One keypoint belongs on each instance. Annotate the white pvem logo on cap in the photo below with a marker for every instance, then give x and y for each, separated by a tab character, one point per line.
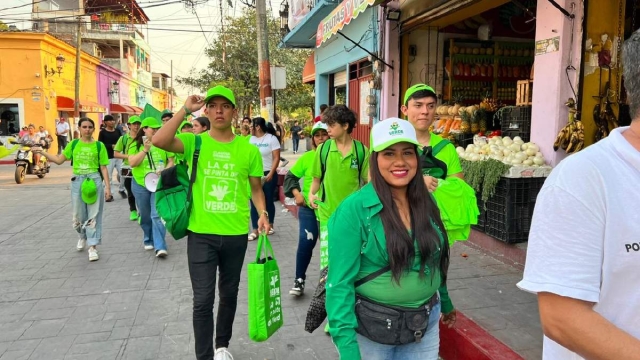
394	129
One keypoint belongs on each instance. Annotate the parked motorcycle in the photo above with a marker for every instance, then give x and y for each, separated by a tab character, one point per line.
25	161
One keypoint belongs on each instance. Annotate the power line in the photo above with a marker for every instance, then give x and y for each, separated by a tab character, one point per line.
153	4
201	28
23	5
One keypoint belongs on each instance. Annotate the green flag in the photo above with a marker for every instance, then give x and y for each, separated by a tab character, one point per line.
150	111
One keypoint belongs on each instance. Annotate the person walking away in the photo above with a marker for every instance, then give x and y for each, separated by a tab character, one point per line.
269	147
441	167
393	255
307	220
582	255
62	134
295	136
120	151
144	159
201	124
217	238
88	190
318	118
109	136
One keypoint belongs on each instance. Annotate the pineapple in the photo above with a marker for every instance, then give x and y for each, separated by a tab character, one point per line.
465	126
482	123
475	125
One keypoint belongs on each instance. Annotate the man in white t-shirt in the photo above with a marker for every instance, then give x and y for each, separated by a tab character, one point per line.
62	132
583	258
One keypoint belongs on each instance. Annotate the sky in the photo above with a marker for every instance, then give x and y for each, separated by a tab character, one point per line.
184	48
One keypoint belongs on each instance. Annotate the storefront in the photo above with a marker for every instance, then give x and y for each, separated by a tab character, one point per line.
38	73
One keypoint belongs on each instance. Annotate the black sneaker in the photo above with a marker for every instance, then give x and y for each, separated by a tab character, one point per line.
123	194
298	288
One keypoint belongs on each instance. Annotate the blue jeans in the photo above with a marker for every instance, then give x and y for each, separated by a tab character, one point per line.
152	227
269	189
427	349
296	142
307	239
87	219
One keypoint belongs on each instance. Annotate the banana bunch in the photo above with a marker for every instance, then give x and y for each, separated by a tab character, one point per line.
571	136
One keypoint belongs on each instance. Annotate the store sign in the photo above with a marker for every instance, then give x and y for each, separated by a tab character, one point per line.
298	9
92	109
339	17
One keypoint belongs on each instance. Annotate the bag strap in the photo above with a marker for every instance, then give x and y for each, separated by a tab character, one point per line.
194	166
359	145
264	244
324	156
439	146
372	276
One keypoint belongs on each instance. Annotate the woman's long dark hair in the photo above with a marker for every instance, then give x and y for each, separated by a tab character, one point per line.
262	124
203	121
424	214
138	139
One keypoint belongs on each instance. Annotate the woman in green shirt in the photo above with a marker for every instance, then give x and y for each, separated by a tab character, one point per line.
144	159
90	162
392	239
120	152
307	222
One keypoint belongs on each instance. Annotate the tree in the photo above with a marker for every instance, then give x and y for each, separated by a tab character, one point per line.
233	62
3	26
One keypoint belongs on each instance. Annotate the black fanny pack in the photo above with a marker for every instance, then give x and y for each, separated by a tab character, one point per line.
393	325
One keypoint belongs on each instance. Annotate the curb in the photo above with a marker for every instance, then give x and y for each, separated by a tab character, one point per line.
467	340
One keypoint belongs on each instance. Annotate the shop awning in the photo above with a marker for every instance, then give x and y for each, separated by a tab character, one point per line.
416	13
338	18
86	106
303	36
309	70
124	109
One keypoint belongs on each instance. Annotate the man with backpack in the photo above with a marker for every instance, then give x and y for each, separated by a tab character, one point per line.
340	168
226	165
441	167
109	136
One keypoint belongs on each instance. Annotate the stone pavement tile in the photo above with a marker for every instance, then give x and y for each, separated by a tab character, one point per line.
51	303
24	344
174	346
4	346
11	296
48	314
93	337
144	348
34	294
44	329
146	330
13	330
52	348
87	300
88	314
10	286
178	328
16	355
124	322
120	333
103	350
87	327
17	308
518	339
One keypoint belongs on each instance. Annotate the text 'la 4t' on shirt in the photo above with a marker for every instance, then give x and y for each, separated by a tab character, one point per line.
220	197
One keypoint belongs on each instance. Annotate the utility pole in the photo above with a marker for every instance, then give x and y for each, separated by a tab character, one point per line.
266	101
76	104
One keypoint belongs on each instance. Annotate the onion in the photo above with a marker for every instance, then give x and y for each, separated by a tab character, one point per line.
533	146
530	152
517	138
520	156
516	162
527	162
538	160
514	147
506	141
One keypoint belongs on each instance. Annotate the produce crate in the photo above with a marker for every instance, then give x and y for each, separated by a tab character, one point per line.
524	92
464	140
510	209
518	123
482	217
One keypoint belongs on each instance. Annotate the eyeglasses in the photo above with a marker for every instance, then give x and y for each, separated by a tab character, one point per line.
86	127
225	106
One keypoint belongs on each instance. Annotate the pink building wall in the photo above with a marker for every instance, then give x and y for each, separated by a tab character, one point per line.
390	96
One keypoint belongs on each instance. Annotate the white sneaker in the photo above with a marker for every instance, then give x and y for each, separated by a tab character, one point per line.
162	253
148	247
81	244
222	354
93	254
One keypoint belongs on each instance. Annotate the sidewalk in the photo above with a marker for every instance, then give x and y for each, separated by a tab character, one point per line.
54	304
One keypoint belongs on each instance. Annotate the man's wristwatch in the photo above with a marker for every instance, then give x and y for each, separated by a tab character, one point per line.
264	212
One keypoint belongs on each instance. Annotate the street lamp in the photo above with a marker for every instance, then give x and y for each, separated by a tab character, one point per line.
284	18
59	65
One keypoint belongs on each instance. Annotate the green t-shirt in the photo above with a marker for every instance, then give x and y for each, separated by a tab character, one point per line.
155	154
122	146
85	157
220	199
341	177
302	169
448	155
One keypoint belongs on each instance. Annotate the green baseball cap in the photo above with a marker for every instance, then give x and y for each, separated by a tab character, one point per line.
414	89
135	119
222	92
184	123
89	191
151	122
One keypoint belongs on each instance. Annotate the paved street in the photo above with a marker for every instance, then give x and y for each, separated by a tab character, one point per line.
54	304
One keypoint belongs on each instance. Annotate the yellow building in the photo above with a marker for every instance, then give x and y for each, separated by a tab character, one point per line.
37	82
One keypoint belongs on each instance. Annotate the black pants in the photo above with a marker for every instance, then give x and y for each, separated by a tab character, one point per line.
208	254
62	143
130	198
296	142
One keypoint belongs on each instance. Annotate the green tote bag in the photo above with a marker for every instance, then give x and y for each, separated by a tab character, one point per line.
265	308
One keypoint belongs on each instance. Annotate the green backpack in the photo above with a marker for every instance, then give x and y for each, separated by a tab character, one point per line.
174	195
324	155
